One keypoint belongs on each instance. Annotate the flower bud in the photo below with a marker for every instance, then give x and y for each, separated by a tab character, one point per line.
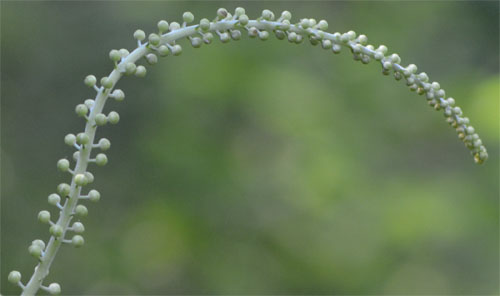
82	138
176	50
286	15
63	189
162	26
113	117
54	199
204	25
39	243
81	110
140	71
63	165
174	26
76	155
130	68
239	11
106	82
14	277
243	19
54	289
90	80
44	216
154	39
119	95
267	15
104	144
78	227
77	241
188	17
263	35
35	251
323	25
89	103
115	55
221	13
151	58
89	177
94	195
163	50
81	211
101	159
139	35
196	42
56	230
70	139
80	180
123	53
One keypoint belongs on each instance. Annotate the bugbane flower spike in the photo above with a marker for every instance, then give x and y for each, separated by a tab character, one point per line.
164	43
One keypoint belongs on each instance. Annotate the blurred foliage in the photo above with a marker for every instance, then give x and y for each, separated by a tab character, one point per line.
258	167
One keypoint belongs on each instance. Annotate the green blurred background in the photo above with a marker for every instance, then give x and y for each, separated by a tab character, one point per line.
258	167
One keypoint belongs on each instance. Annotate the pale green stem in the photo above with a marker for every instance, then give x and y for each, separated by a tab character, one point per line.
42	269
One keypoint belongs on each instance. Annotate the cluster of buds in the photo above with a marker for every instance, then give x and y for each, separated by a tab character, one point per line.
163	43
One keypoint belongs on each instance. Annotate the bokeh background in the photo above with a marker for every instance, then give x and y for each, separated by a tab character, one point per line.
258	167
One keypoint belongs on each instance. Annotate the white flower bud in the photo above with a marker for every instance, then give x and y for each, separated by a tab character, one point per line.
113	117
70	139
63	189
139	35
81	211
151	58
94	195
239	11
106	82
54	289
243	19
235	35
130	68
35	251
323	25
286	15
44	217
82	138
77	241
90	80
78	227
89	103
115	55
263	35
154	39
89	177
63	165
204	25
140	71
56	230
123	53
54	199
118	95
362	39
80	180
267	15
101	159
221	13
104	144
176	50
162	26
188	17
81	110
100	119
39	242
14	277
174	26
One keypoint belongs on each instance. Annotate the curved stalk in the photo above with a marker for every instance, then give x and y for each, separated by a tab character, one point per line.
361	51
